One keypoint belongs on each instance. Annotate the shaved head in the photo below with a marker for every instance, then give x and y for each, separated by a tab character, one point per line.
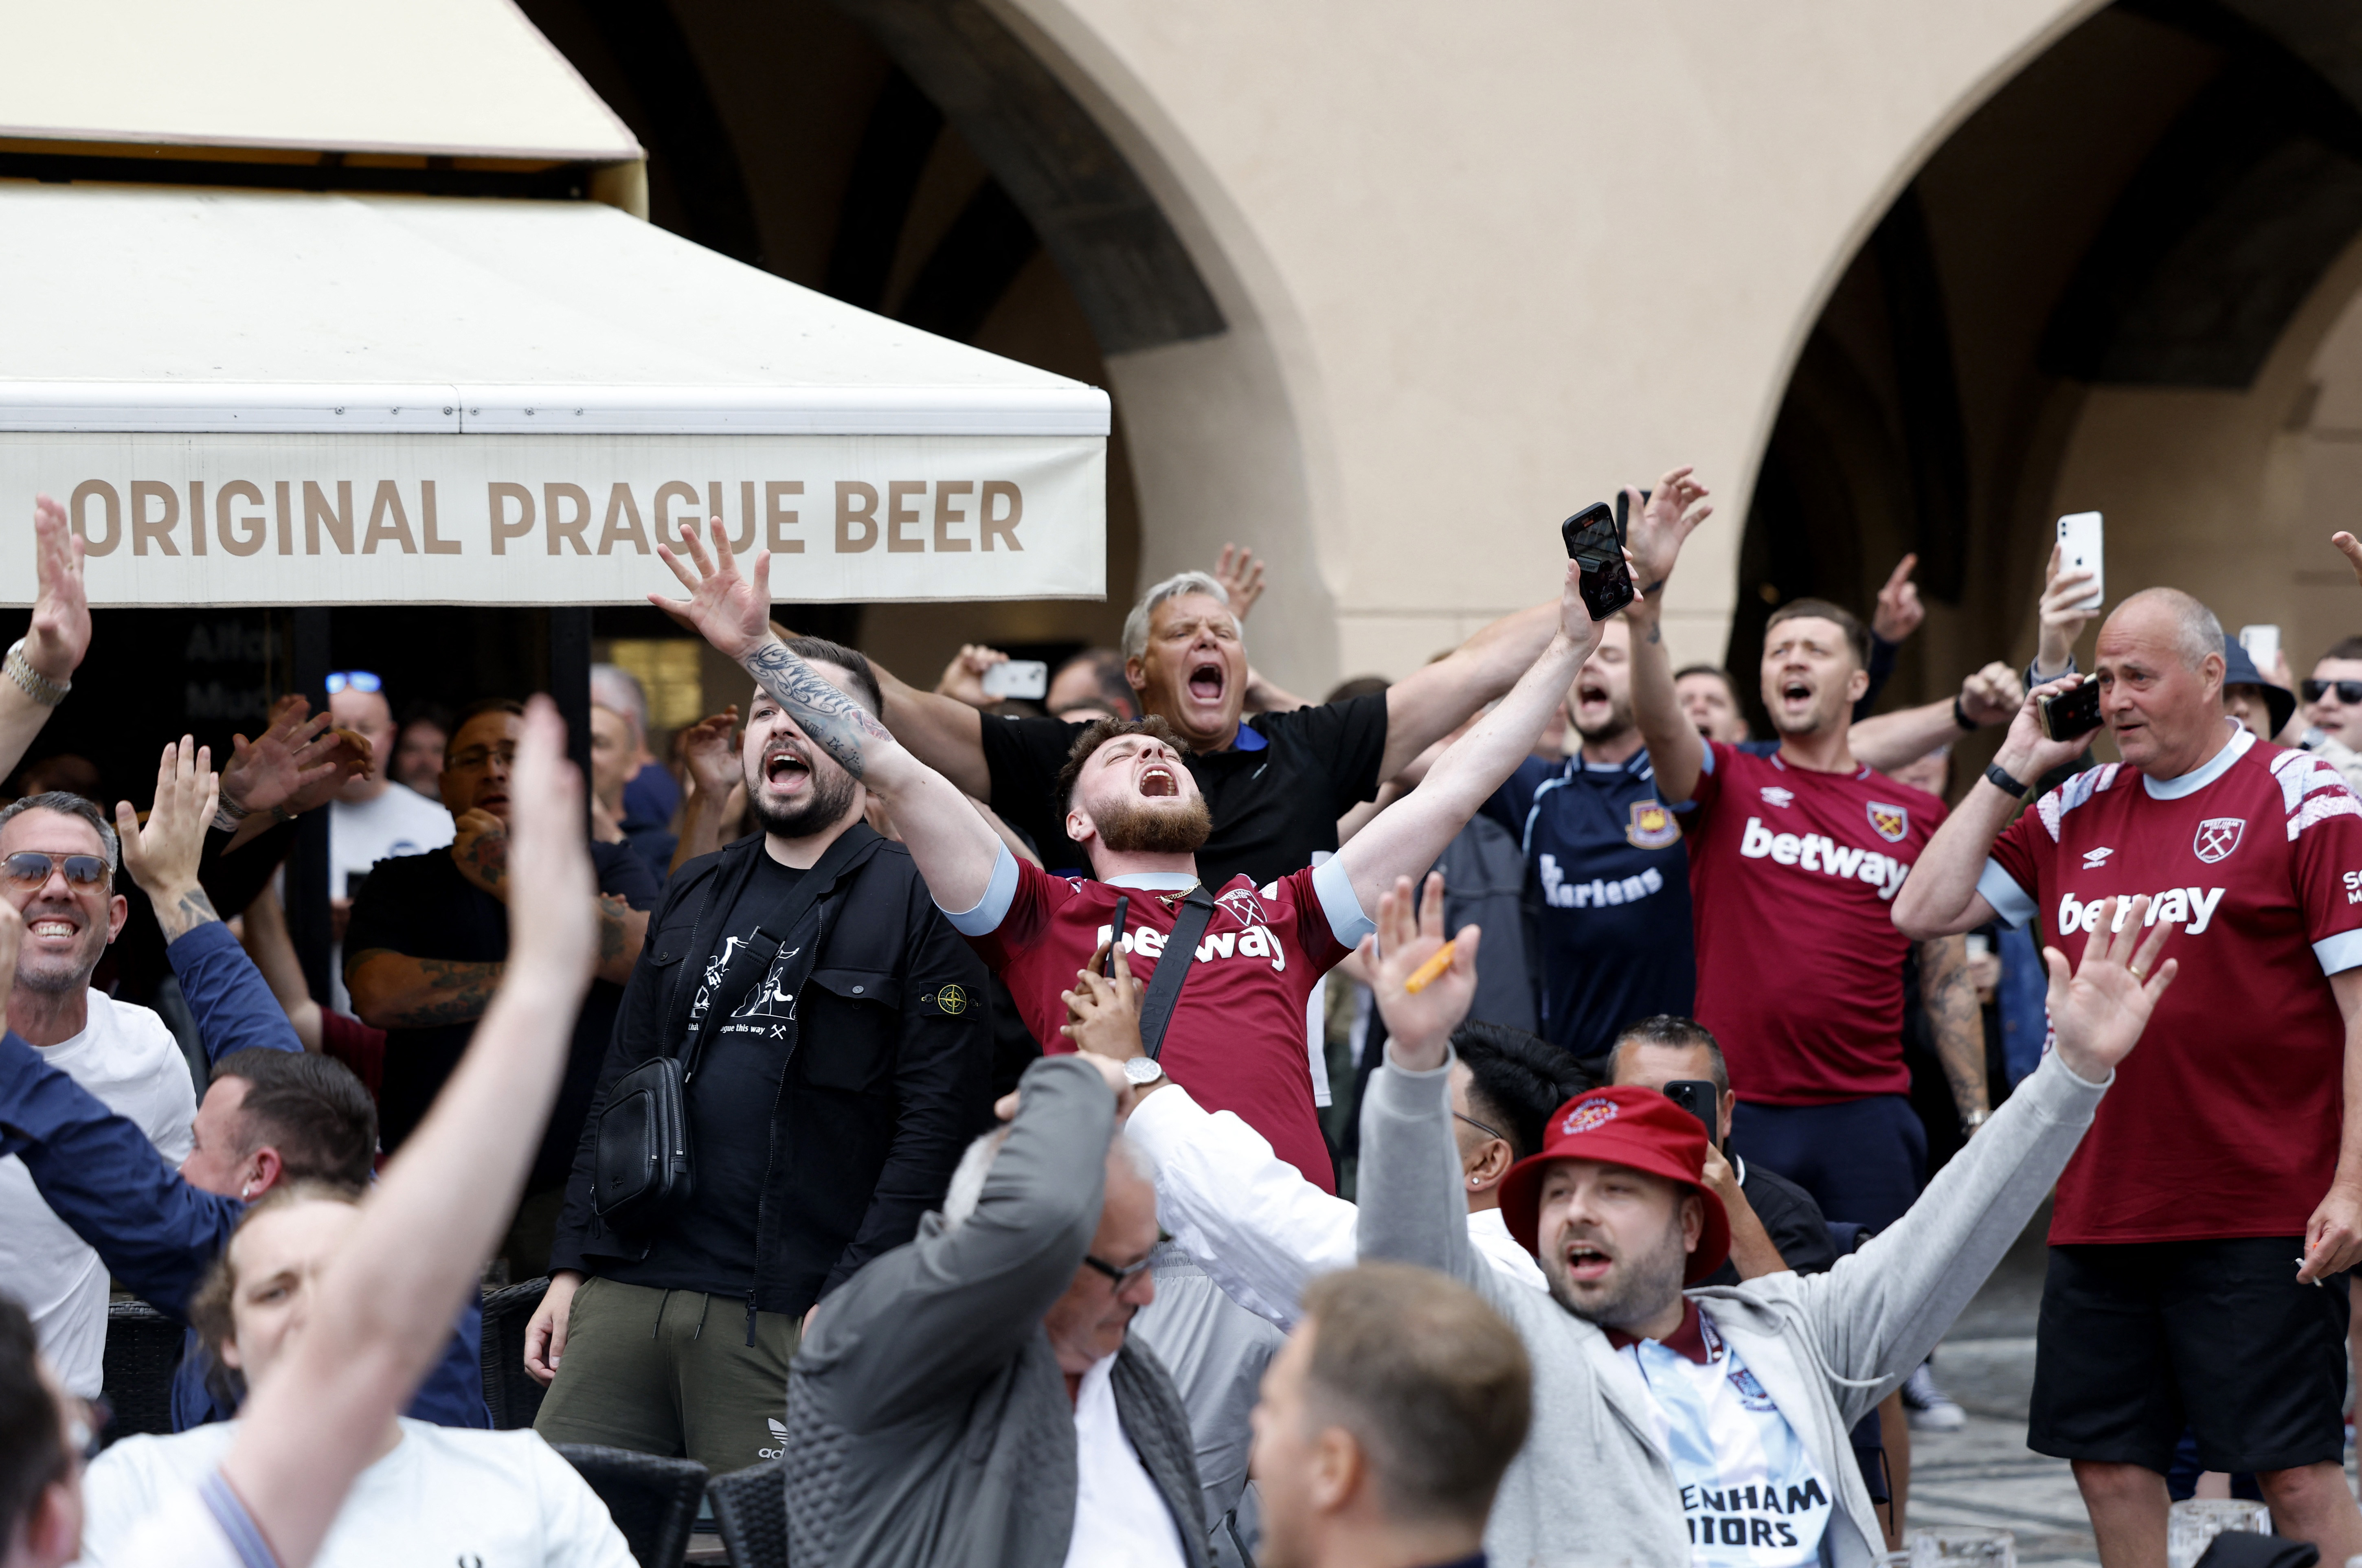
2191	628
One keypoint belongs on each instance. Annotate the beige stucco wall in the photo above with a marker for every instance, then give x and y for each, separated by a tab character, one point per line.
1485	263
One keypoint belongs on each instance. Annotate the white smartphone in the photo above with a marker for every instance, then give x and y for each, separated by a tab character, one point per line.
1979	944
2080	533
2263	645
1027	678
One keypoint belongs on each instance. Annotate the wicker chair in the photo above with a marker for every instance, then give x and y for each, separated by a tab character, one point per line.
751	1507
510	1392
143	1348
652	1500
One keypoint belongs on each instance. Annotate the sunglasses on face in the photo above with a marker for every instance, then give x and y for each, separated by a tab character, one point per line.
2348	692
358	679
31	868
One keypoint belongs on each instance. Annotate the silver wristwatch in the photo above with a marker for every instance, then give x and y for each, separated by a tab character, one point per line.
1142	1071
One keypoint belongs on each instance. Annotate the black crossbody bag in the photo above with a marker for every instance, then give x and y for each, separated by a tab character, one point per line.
1173	966
641	1171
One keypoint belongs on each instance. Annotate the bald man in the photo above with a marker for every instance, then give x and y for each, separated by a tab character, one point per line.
2201	1231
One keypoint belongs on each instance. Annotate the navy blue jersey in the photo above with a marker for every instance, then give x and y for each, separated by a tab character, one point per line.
1608	883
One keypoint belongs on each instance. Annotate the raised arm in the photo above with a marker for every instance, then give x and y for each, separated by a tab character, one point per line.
1424	707
56	641
1247	1217
1405	839
941	732
1411	1206
955	850
1676	751
1889	741
1940	897
233	1007
385	1303
99	1173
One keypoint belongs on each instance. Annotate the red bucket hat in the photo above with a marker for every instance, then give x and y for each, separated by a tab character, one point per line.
1625	1125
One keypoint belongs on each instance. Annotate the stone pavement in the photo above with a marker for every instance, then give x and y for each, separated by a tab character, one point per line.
1984	1474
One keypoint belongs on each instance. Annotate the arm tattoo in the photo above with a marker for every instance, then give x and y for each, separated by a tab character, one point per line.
454	992
185	913
1957	1019
840	725
611	911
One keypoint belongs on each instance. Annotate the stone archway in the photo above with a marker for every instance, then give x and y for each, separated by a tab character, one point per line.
2113	287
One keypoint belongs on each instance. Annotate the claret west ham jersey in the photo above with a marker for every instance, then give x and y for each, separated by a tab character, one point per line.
1793	876
2223	1121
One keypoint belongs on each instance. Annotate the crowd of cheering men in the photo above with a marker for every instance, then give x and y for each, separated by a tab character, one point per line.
1177	1123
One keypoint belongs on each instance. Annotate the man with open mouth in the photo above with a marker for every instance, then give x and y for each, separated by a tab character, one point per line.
1274	784
1707	1423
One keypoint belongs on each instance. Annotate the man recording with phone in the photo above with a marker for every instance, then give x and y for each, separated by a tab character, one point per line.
2201	1232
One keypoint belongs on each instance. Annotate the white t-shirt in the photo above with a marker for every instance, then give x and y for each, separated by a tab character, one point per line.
398	821
127	1057
1752	1494
1120	1519
444	1495
198	1525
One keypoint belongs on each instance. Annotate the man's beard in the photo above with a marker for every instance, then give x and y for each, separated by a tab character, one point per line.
1619	723
1651	1280
828	798
1129	828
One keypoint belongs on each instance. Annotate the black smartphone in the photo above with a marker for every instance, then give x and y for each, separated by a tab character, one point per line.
354	882
1115	933
1697	1095
2074	712
1595	542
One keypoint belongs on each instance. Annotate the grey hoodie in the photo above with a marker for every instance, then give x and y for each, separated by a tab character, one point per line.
1592	1485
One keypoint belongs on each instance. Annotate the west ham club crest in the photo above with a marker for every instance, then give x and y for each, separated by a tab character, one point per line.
1892	823
2218	837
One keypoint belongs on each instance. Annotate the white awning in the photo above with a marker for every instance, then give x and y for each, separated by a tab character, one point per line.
394	399
454	78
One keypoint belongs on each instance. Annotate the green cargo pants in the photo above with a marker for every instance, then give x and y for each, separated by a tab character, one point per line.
670	1371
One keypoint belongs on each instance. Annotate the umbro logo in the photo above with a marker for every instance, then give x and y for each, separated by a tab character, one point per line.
1775	796
2095	858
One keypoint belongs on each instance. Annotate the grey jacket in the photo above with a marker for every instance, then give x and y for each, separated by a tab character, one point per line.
928	1422
1592	1485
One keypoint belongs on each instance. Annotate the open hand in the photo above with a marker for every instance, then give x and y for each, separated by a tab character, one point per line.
1241	576
1899	611
1419	1023
1662	525
297	762
162	854
2098	1013
59	634
731	611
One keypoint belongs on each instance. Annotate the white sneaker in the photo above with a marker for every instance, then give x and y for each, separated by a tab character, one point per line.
1931	1409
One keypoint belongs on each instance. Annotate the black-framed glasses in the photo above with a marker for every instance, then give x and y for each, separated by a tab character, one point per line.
1488	1131
1123	1276
358	679
31	868
2348	692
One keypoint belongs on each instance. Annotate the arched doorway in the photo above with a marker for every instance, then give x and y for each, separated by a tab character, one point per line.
915	157
2122	284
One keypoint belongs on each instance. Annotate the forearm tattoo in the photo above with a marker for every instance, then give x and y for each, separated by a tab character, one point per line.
613	912
838	725
185	913
456	993
1957	1019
